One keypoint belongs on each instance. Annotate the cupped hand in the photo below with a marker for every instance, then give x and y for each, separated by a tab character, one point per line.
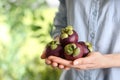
57	62
92	61
61	63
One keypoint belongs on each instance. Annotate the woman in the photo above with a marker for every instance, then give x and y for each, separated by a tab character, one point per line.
98	22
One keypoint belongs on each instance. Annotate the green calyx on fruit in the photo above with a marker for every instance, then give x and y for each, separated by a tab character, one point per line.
64	35
69	28
66	32
76	52
71	49
70	32
89	46
53	44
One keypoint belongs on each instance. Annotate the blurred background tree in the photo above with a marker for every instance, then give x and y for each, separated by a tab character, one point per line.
25	28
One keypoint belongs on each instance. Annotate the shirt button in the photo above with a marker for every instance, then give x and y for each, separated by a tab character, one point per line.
95	13
92	35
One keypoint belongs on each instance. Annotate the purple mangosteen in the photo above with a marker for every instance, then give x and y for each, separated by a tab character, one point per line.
73	51
53	48
68	35
87	47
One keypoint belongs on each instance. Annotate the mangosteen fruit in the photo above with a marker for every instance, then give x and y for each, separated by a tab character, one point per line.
68	35
73	51
54	48
87	47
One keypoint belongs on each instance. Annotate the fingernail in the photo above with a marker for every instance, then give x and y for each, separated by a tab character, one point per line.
75	63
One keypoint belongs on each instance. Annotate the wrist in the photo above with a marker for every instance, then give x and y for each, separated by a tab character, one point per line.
113	60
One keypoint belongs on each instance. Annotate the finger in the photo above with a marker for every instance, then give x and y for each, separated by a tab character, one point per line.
61	66
79	61
67	68
84	66
80	67
47	61
43	56
54	64
60	61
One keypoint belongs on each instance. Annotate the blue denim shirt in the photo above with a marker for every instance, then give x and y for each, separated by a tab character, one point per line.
98	22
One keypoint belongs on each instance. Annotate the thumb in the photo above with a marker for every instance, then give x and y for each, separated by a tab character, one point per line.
84	60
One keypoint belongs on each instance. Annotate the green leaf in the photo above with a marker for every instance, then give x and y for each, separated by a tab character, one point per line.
35	27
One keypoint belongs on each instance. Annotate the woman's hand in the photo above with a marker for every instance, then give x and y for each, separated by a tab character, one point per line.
57	62
92	61
52	59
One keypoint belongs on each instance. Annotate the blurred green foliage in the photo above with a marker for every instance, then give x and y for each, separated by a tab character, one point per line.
25	28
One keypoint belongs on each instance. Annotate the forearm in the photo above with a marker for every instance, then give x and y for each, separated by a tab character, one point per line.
113	60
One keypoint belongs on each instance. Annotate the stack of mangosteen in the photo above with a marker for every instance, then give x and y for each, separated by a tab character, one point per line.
67	46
